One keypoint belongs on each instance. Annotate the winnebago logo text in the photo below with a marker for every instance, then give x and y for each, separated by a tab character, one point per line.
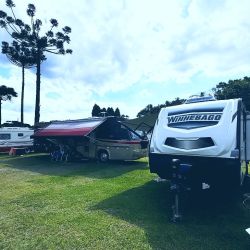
195	117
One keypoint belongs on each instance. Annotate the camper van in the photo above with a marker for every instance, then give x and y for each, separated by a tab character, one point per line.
211	136
103	138
16	137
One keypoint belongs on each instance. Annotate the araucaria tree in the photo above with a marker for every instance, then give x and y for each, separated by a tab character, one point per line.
21	55
6	93
39	44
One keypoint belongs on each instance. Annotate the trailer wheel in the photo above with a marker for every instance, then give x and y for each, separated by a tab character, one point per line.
103	156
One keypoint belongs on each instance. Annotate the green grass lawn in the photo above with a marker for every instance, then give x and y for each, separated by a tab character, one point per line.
86	205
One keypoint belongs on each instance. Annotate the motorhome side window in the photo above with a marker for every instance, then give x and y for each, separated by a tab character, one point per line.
20	134
134	136
4	136
113	132
124	134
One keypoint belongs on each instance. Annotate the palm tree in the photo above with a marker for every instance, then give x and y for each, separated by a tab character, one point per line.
20	55
6	93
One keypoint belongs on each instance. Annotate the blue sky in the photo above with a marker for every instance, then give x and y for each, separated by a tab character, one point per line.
131	53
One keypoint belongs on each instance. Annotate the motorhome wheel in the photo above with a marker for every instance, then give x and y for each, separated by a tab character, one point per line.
27	150
103	156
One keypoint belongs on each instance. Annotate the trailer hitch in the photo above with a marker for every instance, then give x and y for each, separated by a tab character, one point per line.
178	187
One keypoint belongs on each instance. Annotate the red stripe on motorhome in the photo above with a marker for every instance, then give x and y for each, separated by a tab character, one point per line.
63	132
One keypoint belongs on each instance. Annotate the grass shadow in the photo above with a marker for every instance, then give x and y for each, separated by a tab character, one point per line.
41	163
209	223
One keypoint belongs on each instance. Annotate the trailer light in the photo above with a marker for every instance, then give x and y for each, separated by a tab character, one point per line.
205	185
235	153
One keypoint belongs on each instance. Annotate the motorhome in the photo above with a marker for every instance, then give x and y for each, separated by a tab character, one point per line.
103	138
211	136
15	137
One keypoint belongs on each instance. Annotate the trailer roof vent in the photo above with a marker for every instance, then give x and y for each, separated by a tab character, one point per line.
200	98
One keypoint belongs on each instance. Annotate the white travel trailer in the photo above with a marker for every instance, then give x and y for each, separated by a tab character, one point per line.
213	137
15	137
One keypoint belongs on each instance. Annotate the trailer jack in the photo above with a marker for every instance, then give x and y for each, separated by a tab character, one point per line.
178	187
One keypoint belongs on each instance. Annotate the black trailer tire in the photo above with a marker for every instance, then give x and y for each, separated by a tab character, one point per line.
103	156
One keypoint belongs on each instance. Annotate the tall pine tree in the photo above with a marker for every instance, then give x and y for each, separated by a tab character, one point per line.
96	111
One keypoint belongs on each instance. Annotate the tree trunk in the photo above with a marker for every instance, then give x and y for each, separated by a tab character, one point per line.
22	94
38	85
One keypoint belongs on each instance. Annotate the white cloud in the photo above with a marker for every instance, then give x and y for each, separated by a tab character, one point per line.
120	44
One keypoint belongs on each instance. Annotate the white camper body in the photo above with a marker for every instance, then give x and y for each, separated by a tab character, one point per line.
17	137
210	136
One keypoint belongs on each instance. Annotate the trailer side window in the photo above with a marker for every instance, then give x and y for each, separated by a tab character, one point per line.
20	134
4	136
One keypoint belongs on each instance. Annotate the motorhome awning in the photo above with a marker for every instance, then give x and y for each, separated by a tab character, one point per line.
69	128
